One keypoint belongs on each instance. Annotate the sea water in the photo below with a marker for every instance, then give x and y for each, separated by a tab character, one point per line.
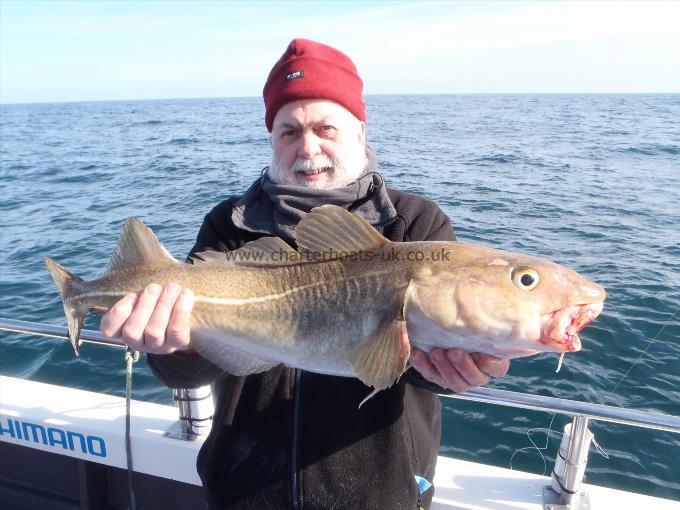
589	181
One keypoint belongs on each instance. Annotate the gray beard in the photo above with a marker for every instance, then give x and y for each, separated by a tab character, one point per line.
275	209
343	174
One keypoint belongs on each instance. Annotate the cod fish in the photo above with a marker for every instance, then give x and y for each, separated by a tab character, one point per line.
338	305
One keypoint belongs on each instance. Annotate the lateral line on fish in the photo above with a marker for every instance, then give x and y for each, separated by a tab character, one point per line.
204	299
108	293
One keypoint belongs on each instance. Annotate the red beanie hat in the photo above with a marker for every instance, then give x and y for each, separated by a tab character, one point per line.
311	70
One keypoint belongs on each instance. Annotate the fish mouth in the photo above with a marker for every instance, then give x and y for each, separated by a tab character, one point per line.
561	328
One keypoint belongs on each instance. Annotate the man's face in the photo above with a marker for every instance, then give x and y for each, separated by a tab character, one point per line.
317	143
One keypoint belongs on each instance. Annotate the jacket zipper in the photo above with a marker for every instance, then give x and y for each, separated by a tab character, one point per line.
295	453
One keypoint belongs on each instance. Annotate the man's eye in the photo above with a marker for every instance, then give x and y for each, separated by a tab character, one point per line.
290	132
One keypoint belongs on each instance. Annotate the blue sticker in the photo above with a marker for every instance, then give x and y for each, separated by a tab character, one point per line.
423	484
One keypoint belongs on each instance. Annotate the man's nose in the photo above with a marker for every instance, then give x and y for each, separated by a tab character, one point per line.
310	144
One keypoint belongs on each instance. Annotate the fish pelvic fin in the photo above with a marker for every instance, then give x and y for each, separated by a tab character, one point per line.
329	232
381	358
75	313
138	245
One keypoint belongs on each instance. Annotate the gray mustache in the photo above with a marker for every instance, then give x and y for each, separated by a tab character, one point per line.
316	165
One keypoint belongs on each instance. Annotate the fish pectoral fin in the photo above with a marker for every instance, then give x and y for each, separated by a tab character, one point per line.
229	358
138	245
263	252
381	358
329	231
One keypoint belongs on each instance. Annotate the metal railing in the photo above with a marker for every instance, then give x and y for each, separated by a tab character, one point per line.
38	328
632	417
564	491
635	418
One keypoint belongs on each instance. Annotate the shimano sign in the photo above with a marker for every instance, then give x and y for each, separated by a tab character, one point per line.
52	436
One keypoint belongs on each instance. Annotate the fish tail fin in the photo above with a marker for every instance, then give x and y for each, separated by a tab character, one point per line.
75	315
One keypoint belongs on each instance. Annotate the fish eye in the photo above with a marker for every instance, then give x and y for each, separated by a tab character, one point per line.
525	278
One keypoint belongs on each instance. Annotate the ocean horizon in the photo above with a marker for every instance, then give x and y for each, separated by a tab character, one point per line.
366	96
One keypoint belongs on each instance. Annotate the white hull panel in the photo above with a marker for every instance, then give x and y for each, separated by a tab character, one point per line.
91	426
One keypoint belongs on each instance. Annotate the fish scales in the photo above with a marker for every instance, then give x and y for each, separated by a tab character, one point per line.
309	310
339	305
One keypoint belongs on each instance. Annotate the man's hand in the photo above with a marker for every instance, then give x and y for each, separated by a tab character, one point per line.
156	321
458	370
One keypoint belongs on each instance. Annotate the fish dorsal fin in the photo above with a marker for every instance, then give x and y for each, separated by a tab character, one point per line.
329	232
138	245
263	252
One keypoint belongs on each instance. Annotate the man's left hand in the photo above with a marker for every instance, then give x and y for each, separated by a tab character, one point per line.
458	370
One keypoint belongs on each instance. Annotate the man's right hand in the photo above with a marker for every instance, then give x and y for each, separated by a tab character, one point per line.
156	321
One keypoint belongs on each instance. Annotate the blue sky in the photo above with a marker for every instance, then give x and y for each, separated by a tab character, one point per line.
101	50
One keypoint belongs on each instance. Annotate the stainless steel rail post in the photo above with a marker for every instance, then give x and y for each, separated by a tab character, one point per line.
564	491
577	456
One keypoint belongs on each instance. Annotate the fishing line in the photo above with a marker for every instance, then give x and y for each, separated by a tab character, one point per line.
130	358
535	446
649	344
598	448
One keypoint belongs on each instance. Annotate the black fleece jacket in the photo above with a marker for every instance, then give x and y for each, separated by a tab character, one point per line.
291	439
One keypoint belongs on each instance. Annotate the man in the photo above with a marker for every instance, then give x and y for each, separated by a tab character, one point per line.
287	438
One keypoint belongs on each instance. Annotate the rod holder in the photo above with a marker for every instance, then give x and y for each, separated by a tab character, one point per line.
196	409
564	491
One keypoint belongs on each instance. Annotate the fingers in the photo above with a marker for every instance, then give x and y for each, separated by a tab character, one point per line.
467	367
177	334
449	364
458	370
156	321
133	331
155	330
491	365
113	321
421	362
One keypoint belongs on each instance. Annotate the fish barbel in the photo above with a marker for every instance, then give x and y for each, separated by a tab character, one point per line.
338	305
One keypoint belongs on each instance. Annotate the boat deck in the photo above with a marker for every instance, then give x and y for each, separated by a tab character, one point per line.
471	486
